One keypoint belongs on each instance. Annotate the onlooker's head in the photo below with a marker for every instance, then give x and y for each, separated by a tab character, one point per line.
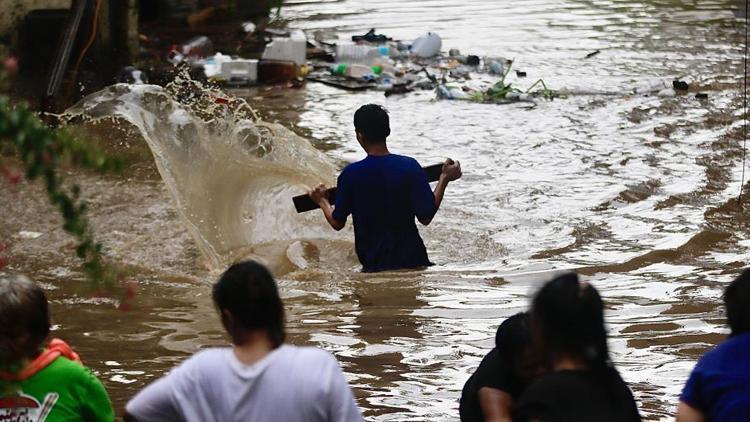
568	321
24	318
513	337
737	302
513	341
372	124
248	301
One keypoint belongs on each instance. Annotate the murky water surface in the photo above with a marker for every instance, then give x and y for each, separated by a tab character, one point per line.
635	192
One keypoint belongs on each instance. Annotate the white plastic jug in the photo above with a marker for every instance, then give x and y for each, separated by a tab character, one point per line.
292	48
428	45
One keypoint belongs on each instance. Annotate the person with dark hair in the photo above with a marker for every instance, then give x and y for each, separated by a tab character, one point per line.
580	383
259	378
719	386
501	377
41	383
384	193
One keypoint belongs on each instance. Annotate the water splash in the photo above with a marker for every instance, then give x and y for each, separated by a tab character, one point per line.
231	175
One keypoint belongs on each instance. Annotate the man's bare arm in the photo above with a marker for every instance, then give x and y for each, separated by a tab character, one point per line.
496	405
328	212
319	197
451	172
687	413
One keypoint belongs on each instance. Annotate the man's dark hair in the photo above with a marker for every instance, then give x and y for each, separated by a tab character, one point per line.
371	121
248	292
737	302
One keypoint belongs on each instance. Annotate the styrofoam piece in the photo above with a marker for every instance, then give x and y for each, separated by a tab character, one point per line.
240	68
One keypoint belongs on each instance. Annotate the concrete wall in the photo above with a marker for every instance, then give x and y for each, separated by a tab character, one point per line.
11	11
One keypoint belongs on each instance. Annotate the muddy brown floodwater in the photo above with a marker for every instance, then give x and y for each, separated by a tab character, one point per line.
635	192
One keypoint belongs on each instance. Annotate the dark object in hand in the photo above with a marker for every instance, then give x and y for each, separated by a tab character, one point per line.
303	203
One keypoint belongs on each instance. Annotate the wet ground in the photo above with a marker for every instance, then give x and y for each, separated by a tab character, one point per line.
637	193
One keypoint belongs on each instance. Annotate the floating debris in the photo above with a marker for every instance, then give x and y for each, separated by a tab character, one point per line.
592	54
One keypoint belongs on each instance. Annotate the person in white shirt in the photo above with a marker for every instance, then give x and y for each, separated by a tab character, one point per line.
258	379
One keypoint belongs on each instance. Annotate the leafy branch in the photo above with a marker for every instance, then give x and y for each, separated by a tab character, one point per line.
43	152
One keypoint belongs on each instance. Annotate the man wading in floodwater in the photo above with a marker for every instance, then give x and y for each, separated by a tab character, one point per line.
384	192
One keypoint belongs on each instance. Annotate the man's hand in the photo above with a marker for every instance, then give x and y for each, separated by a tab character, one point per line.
318	194
320	197
451	170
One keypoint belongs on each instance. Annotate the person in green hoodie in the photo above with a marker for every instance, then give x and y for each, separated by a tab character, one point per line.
39	380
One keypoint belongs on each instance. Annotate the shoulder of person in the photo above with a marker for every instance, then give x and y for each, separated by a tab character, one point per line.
209	354
619	381
70	370
405	158
350	168
72	374
739	342
310	354
204	360
408	163
722	354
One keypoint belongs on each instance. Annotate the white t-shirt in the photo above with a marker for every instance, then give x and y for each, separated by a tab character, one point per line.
295	384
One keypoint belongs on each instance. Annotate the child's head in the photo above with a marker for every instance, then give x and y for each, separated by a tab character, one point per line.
24	318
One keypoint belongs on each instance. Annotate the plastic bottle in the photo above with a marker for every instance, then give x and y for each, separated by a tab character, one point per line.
449	93
355	53
519	96
277	71
358	71
338	69
495	67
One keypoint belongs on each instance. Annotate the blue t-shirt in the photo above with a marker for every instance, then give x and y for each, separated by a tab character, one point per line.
384	193
719	385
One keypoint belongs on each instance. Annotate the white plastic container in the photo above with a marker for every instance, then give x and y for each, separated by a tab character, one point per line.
243	69
292	48
428	45
212	65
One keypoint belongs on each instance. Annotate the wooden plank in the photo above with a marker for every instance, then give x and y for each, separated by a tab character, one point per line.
303	203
